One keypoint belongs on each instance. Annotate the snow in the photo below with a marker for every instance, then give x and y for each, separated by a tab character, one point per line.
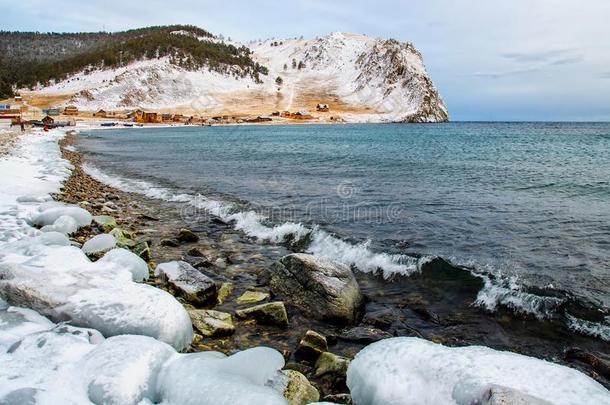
42	271
62	364
129	261
99	243
64	224
405	370
383	80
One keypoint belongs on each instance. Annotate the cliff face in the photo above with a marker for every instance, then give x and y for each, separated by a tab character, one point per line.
363	79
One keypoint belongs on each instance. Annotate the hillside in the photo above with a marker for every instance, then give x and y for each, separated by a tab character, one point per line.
29	59
187	70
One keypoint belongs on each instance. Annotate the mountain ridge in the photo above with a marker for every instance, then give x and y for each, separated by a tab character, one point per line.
364	79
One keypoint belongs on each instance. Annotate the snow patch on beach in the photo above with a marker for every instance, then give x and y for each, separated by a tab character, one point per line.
404	371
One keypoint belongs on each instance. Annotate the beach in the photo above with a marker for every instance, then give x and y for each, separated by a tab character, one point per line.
232	287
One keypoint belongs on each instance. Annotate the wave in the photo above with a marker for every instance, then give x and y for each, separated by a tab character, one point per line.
497	291
319	242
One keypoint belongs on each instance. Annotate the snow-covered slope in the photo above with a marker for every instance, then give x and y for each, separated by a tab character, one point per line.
362	78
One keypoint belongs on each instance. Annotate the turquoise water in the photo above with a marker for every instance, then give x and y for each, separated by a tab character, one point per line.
528	203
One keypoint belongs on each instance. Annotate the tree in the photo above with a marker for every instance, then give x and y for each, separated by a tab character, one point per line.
285	66
279	81
294	63
301	65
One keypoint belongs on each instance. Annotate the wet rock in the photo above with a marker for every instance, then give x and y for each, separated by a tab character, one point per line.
105	223
252	297
143	250
169	243
329	363
187	236
311	346
271	313
147	217
498	395
364	334
212	323
194	252
123	238
300	367
111	197
224	291
322	289
299	390
597	363
193	286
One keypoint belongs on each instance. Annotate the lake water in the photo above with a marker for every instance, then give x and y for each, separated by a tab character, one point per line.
524	205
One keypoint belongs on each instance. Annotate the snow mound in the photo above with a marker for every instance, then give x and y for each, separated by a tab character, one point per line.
238	379
401	371
42	271
45	363
99	244
128	261
64	224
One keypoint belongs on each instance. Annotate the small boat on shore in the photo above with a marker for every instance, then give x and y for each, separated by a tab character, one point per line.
108	124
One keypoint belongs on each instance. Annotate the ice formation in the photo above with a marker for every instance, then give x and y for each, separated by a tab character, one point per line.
401	371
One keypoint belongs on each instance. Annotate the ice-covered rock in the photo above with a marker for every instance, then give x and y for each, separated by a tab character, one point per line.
49	215
64	224
128	261
124	369
54	238
320	288
405	370
99	244
62	283
194	286
210	378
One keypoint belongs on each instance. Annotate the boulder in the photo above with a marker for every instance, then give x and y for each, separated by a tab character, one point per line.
212	323
169	242
271	313
105	223
123	238
252	297
224	291
193	286
329	363
187	236
299	390
311	346
364	334
320	288
195	252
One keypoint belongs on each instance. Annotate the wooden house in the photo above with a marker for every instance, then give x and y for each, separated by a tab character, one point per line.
301	115
167	117
100	114
323	107
71	110
48	120
179	118
150	117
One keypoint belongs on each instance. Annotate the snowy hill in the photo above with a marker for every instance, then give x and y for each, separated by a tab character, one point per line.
363	79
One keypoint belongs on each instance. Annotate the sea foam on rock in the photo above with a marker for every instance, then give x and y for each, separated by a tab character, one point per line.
401	371
323	289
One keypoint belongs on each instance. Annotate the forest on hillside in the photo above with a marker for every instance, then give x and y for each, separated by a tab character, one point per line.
30	58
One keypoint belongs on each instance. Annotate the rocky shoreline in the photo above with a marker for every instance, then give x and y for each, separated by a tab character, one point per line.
224	283
246	274
125	279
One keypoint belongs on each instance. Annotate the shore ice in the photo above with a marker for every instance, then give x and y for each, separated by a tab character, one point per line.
48	363
402	371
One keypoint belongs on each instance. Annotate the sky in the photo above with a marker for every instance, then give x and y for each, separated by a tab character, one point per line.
514	60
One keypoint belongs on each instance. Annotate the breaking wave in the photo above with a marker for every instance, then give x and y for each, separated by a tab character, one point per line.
496	292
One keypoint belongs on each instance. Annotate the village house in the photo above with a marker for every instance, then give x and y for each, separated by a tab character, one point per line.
71	110
323	107
100	114
48	120
150	117
301	115
167	117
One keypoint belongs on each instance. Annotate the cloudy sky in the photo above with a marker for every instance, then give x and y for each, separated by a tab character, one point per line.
491	60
